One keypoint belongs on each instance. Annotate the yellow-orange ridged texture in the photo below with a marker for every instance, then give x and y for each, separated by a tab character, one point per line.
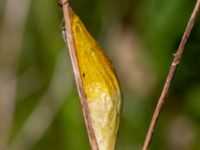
100	84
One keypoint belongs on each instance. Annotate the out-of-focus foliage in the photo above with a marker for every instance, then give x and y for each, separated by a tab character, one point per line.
39	106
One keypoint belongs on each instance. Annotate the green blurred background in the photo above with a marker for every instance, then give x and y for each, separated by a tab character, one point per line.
39	106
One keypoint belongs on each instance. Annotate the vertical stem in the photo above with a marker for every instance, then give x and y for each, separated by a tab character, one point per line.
171	75
73	55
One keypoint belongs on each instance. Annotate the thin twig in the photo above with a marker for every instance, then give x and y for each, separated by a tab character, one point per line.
171	75
82	94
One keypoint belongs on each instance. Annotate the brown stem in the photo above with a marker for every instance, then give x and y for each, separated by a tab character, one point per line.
81	91
171	75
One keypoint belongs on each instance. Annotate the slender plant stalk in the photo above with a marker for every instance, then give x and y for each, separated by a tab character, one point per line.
81	91
170	76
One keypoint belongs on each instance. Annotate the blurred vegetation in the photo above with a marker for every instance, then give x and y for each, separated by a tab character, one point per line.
39	106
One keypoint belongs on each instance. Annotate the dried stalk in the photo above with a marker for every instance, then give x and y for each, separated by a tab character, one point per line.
73	55
170	76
